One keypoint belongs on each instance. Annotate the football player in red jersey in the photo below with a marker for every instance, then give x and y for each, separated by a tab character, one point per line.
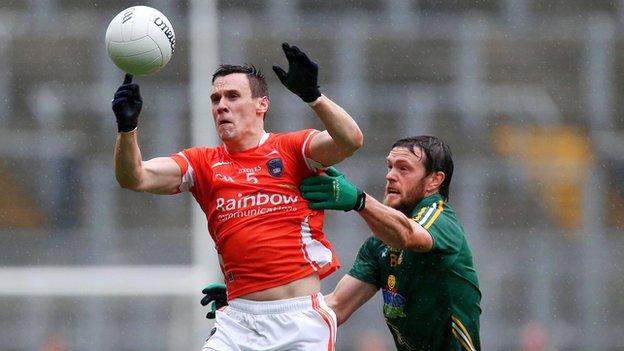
272	249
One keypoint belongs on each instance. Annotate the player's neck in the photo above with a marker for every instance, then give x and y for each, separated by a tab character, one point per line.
249	141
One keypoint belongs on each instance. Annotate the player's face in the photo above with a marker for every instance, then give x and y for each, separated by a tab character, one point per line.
406	179
233	108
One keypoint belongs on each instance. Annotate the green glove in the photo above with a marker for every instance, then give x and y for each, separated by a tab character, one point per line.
332	192
216	295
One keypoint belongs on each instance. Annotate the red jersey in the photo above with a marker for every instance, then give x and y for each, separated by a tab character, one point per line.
265	233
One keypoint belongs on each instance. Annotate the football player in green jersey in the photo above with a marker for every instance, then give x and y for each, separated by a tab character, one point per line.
419	256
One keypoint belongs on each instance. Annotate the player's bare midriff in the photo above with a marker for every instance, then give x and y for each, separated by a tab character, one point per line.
305	286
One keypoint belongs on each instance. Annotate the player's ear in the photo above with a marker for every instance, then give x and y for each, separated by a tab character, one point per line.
435	180
262	104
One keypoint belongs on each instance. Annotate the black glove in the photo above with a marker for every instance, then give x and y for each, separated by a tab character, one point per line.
127	105
215	292
302	76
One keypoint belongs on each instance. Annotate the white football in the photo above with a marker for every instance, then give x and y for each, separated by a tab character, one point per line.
140	40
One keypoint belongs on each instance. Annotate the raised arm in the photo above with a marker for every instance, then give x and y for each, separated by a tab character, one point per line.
159	175
342	136
348	296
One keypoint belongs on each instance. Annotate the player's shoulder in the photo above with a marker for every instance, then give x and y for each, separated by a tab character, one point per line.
447	216
202	155
433	211
446	223
297	134
202	150
291	143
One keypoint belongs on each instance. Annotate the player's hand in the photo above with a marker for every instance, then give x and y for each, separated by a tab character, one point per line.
127	105
332	191
302	76
216	296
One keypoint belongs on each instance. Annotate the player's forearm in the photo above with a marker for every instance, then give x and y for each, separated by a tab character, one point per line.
394	228
340	125
349	295
128	162
339	307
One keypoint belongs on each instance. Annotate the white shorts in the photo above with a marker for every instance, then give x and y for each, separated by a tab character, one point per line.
298	324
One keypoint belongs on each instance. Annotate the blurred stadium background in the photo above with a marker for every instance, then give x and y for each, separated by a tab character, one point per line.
526	92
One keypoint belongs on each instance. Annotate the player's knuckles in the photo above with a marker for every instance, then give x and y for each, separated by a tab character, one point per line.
304	188
317	179
316	188
123	93
308	185
326	186
306	182
316	196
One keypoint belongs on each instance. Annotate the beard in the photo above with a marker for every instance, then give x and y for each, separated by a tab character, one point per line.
408	202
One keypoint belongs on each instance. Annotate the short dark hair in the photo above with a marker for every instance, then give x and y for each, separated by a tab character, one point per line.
257	84
438	157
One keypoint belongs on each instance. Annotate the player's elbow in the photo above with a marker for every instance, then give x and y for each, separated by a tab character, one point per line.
350	146
128	185
417	241
403	241
341	318
411	237
126	182
355	142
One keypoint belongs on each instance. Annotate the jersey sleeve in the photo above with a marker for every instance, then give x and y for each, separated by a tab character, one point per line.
366	266
190	162
447	240
298	144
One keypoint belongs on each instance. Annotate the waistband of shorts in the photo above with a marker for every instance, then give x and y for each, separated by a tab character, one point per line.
294	304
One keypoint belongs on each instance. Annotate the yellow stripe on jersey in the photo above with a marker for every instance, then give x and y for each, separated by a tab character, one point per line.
461	341
435	215
420	213
461	333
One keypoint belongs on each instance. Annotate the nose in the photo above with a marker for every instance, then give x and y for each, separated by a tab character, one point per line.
221	106
391	175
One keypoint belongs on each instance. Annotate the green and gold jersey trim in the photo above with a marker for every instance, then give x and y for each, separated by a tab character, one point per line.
461	334
428	215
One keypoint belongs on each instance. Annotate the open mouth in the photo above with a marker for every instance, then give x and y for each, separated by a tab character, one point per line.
392	191
224	121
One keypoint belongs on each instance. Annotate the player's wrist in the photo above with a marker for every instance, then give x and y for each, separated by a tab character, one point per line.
120	131
360	202
315	102
310	95
127	128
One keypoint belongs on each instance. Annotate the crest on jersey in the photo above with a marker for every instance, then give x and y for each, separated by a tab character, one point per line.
394	304
275	167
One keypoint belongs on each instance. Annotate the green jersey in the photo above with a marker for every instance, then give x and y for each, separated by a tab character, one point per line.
431	300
